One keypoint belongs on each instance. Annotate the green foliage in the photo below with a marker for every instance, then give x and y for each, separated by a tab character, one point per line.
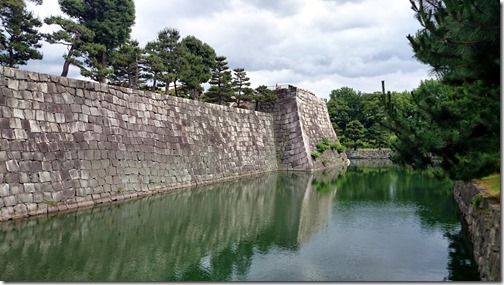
19	36
74	36
460	39
325	144
454	123
315	154
321	147
200	58
355	132
110	21
126	65
152	64
50	203
169	60
476	200
171	53
263	94
325	141
119	189
221	88
346	105
241	85
336	145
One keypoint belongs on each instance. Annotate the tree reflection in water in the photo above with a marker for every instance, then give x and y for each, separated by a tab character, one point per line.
225	231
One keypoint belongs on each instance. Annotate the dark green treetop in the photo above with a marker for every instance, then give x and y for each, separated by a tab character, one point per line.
200	58
354	133
19	36
110	21
221	88
346	105
241	85
126	64
171	54
456	121
152	64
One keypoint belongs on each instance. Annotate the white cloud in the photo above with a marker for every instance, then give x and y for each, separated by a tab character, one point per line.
319	45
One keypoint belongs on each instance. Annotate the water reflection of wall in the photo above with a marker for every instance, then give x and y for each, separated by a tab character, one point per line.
158	237
316	203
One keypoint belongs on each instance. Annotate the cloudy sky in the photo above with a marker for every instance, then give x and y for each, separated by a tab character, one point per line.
319	45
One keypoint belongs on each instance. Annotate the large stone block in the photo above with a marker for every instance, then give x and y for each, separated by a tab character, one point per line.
44	176
12	166
25	198
9	201
6	213
4	190
12	178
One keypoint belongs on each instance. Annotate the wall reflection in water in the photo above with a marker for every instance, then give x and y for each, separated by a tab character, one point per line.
206	233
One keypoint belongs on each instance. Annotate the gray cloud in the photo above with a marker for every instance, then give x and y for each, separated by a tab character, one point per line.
318	44
279	8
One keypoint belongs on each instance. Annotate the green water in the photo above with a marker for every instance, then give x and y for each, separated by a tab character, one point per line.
362	224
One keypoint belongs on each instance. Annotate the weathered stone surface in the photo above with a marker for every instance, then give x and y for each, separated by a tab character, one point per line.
44	176
9	201
4	190
483	223
25	198
6	213
368	154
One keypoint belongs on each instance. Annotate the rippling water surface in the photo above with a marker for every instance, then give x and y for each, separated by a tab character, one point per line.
359	224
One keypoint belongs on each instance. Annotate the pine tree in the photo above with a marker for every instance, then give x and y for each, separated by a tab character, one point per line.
354	132
152	64
241	85
73	35
200	58
126	65
168	46
19	36
263	94
110	21
221	88
455	122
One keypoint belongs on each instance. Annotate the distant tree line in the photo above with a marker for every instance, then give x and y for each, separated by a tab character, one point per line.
97	35
356	118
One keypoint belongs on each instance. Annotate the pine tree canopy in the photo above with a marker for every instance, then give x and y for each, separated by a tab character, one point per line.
455	120
19	36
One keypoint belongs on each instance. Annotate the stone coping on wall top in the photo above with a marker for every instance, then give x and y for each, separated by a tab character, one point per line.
20	74
134	95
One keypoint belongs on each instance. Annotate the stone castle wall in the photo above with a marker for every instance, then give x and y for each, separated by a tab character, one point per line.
301	121
67	143
369	154
483	223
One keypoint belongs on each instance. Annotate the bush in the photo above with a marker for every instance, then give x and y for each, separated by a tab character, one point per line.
321	147
325	141
315	154
335	145
476	200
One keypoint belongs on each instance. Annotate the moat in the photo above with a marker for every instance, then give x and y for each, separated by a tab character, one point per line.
359	224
